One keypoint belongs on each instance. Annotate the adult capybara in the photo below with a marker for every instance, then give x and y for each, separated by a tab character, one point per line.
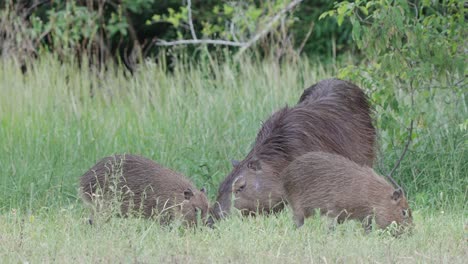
326	119
343	189
141	185
344	91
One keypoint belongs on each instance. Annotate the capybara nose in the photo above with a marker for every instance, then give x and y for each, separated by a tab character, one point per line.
210	222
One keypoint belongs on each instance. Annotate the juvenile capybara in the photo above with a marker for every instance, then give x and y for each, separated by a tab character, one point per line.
325	119
141	185
342	189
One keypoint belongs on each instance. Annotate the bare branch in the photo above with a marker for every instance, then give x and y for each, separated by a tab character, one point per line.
408	141
311	28
200	41
31	9
268	26
243	45
189	11
233	34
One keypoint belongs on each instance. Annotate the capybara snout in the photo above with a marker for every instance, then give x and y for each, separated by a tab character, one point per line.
140	185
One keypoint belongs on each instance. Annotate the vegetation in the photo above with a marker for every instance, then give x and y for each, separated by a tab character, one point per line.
128	30
193	110
62	236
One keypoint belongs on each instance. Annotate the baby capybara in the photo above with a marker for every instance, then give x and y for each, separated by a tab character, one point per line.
142	185
341	188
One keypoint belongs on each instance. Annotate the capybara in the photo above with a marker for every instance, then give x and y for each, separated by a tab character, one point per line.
325	120
141	185
342	189
341	90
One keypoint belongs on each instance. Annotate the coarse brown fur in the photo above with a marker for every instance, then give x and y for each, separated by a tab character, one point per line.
142	185
342	189
326	119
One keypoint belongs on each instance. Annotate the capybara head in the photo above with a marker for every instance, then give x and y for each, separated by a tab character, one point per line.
394	208
252	190
195	206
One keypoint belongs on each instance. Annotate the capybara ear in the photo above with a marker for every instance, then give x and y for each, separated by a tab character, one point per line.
397	194
254	164
203	190
235	162
188	194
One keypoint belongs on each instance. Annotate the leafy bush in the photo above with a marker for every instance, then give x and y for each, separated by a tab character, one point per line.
414	60
129	29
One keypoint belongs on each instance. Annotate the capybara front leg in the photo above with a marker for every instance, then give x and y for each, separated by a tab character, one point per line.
367	224
299	219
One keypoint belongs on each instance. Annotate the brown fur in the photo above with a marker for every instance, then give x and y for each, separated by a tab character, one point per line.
332	116
143	186
340	188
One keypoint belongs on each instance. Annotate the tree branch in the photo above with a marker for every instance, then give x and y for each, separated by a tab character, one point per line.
243	45
268	26
31	9
408	141
199	41
189	10
304	41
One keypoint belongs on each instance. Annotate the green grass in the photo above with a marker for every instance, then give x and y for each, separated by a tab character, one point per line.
58	120
62	236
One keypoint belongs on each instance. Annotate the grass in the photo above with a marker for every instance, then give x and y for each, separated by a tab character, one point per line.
58	120
62	236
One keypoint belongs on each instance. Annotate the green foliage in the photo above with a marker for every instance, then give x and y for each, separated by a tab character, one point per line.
67	27
229	21
108	28
327	38
414	52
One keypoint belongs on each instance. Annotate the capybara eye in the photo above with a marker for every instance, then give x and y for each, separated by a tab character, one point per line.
240	189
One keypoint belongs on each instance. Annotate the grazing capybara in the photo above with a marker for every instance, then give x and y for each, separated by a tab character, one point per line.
142	186
342	189
348	93
325	120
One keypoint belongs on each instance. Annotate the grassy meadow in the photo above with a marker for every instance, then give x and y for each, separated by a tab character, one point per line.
58	120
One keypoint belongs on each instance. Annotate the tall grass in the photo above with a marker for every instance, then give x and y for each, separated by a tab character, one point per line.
59	119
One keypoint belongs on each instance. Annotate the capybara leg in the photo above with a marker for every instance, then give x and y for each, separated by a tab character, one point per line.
367	224
334	223
299	219
91	216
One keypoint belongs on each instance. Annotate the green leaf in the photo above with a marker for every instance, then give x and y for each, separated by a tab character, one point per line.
228	10
340	19
364	10
328	13
157	18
